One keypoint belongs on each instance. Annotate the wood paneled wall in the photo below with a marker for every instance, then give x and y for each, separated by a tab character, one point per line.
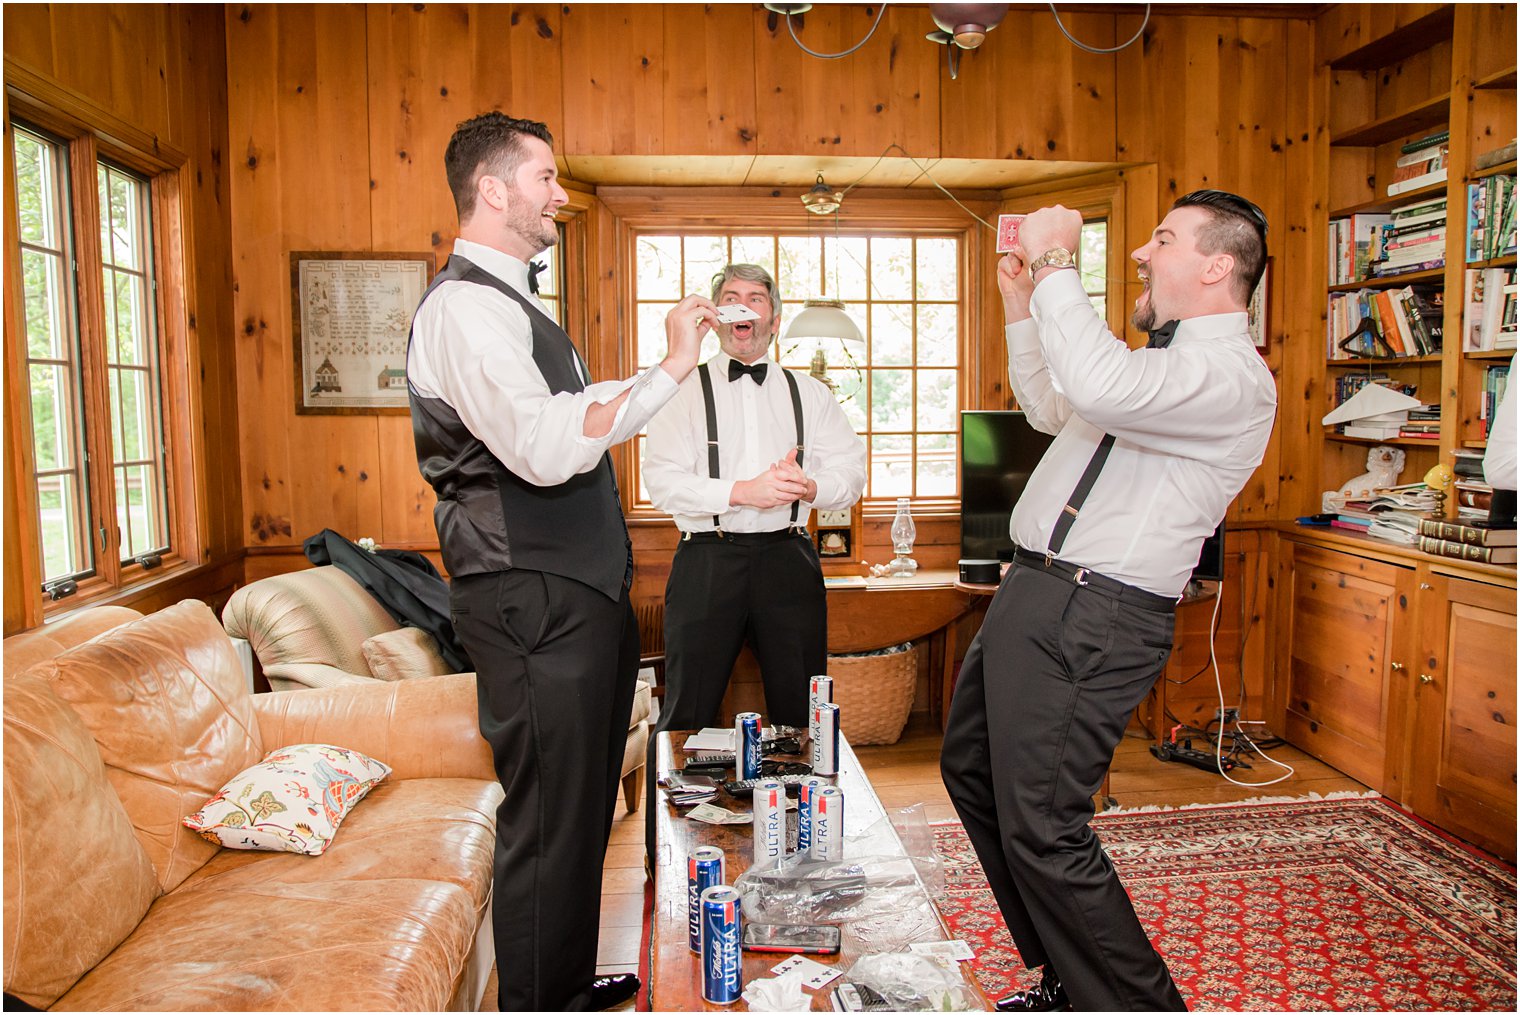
152	77
339	116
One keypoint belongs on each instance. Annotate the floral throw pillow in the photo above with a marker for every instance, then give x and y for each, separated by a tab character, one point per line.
293	801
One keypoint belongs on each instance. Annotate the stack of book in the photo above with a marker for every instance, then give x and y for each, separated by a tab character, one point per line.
1385	323
1489	311
1393	514
1413	239
1473	493
1421	162
1468	541
1354	244
1495	380
1424	424
1490	218
1377	426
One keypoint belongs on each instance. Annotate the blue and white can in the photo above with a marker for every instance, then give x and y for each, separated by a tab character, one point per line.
747	745
704	869
825	719
808	789
820	692
769	805
722	933
827	842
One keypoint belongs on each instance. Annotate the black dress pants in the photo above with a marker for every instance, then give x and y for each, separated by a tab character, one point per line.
1042	700
556	662
764	588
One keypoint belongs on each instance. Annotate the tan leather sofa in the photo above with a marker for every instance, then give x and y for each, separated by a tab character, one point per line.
111	904
319	628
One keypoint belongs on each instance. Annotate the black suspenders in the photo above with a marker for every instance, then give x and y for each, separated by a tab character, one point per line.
712	429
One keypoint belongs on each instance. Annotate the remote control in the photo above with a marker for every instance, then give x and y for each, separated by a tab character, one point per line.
746	787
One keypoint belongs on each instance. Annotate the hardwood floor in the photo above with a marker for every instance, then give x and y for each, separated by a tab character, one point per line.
907	772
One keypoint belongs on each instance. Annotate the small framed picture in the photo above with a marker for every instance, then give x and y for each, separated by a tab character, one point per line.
1257	311
833	542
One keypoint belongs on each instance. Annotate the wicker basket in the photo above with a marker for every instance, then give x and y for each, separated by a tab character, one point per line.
874	694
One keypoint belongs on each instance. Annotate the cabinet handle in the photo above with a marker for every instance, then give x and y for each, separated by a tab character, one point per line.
1397	667
1426	678
1426	586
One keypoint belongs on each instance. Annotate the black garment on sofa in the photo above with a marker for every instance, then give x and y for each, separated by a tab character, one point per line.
403	581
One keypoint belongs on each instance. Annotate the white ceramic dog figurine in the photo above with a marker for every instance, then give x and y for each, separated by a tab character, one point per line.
1383	467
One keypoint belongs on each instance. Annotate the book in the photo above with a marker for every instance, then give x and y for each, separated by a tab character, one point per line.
1468	551
1424	180
1495	157
1477	535
1429	141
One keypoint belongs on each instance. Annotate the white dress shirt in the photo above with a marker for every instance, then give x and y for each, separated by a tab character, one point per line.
1499	458
472	347
1191	423
756	427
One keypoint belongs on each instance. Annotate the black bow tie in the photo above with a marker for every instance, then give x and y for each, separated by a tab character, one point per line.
1162	336
535	268
737	370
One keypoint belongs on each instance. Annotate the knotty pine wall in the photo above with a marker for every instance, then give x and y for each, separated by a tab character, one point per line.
154	77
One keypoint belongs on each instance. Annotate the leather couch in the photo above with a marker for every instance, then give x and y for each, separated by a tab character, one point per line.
319	628
112	904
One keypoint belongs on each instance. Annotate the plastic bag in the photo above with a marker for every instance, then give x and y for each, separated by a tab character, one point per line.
908	982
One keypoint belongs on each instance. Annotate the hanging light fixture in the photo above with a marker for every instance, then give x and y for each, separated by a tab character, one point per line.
823	322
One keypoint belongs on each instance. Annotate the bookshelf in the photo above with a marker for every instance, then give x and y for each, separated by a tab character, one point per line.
1449	67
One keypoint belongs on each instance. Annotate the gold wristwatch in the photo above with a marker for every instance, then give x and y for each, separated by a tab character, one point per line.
1055	257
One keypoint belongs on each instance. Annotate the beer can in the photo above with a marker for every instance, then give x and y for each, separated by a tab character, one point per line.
704	869
826	740
820	692
747	745
722	966
808	788
769	805
827	824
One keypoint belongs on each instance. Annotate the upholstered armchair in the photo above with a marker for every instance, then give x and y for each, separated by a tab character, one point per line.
320	628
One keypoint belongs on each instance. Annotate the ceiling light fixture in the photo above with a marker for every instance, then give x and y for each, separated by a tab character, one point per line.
958	27
822	200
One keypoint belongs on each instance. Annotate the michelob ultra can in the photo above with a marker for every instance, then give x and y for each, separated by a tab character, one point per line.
820	692
704	869
826	740
827	841
808	790
722	968
747	745
769	805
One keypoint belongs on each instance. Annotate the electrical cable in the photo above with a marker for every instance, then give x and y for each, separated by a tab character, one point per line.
880	10
1093	49
1219	744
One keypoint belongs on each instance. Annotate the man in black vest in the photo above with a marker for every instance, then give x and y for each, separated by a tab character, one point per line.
740	457
513	438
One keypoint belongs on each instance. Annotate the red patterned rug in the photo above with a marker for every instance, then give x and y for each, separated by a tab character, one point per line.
1305	905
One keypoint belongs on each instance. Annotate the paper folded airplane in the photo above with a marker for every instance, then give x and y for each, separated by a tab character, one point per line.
1373	403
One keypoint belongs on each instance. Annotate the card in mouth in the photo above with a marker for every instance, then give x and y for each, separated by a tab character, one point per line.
729	313
1008	232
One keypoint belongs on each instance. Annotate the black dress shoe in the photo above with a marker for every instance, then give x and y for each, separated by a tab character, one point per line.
1048	996
611	991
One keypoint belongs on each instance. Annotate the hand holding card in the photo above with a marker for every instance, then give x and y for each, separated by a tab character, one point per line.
729	313
1008	233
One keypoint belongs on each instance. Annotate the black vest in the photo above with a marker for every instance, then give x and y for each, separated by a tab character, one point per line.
490	519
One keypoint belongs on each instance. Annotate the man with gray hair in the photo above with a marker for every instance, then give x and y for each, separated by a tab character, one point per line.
740	456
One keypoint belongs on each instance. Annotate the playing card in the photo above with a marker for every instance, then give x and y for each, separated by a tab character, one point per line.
782	968
1008	232
958	950
817	979
728	313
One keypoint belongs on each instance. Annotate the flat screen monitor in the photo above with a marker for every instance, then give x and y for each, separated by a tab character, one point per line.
999	451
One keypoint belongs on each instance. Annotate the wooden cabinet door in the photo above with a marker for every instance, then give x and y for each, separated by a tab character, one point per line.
1463	759
1344	616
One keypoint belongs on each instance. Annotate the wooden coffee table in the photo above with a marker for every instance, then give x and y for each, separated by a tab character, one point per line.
675	974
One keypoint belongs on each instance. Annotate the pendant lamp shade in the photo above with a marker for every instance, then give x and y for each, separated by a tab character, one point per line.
824	318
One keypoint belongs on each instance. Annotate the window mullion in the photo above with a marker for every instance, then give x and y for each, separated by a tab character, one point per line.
90	286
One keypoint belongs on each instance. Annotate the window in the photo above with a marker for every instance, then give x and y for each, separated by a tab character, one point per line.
1092	263
551	290
901	393
93	358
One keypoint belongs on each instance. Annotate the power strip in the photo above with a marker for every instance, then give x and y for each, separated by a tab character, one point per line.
1170	751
